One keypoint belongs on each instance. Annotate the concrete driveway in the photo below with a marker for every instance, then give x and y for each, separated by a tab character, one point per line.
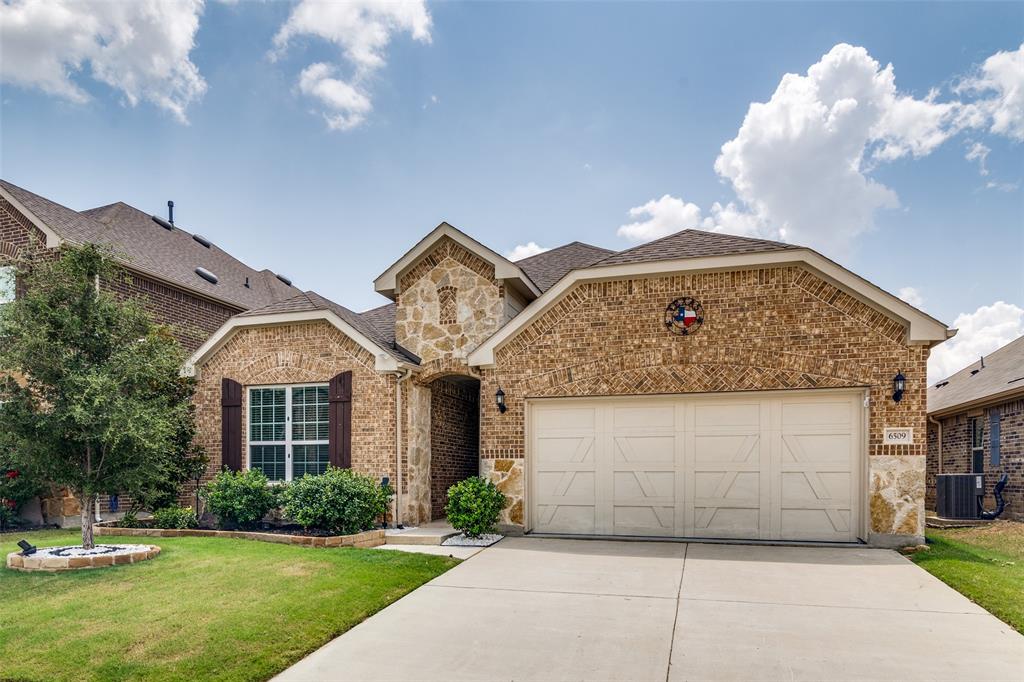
538	609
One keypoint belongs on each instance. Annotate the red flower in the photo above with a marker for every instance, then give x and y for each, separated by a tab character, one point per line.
12	474
9	504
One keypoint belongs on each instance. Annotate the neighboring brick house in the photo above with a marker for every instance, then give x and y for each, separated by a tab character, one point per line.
976	425
160	267
702	385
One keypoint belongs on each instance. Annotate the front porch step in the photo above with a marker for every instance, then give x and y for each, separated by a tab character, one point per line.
433	533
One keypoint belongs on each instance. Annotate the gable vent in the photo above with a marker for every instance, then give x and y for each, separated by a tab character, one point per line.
161	222
202	240
207	275
284	279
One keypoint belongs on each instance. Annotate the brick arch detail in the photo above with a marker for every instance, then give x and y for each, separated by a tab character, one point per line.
443	367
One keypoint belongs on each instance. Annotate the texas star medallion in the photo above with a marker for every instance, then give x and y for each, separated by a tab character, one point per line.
684	316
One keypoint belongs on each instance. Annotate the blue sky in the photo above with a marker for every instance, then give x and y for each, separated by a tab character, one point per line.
541	123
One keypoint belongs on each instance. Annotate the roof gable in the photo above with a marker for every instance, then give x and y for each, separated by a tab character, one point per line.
998	375
921	328
143	245
387	283
694	244
546	268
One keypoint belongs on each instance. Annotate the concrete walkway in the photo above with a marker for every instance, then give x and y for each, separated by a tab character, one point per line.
537	609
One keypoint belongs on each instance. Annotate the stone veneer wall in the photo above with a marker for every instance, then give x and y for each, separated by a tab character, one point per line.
305	353
479	299
765	328
956	453
454	438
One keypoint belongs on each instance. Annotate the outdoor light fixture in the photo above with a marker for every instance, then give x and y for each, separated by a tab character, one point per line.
499	398
899	384
26	548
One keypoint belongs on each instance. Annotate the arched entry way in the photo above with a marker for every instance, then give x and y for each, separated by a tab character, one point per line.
454	436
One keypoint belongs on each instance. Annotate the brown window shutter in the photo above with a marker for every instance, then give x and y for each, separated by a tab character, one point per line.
339	439
231	424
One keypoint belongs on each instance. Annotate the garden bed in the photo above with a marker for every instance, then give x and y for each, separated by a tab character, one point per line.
369	538
73	558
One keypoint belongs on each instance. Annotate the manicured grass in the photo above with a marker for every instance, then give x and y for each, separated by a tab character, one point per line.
206	608
985	564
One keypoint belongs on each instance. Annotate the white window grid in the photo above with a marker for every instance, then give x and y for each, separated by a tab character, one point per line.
304	426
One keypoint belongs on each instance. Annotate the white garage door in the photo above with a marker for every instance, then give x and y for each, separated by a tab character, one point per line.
779	466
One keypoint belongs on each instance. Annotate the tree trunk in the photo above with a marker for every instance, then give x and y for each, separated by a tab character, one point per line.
87	502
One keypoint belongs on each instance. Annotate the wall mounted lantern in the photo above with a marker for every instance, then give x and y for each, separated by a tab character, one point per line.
499	399
899	384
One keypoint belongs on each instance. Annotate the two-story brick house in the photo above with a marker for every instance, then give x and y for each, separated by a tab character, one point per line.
702	385
976	425
182	279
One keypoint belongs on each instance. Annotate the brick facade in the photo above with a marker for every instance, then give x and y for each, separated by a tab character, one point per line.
764	329
957	452
454	438
310	352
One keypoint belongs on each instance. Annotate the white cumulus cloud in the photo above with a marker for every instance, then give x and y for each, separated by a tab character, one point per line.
911	296
801	163
981	332
525	251
139	48
362	31
660	217
999	87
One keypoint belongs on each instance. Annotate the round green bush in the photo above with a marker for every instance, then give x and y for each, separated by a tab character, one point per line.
239	499
339	500
175	517
474	506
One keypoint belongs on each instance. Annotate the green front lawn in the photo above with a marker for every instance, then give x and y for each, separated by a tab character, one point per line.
205	608
985	564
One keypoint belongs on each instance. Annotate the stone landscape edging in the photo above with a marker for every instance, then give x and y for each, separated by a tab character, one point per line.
19	562
369	538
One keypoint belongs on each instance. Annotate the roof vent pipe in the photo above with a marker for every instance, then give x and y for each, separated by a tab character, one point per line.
170	212
982	362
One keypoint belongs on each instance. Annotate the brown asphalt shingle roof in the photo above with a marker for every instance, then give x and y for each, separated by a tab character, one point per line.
363	323
693	244
545	269
1003	372
171	255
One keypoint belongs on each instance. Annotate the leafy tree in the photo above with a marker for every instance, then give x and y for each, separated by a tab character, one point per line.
91	394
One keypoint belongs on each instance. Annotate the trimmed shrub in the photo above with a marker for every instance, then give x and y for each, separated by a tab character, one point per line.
474	506
129	520
175	517
339	500
239	499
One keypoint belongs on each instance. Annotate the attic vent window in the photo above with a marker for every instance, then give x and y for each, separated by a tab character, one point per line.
202	240
161	222
284	279
446	301
207	275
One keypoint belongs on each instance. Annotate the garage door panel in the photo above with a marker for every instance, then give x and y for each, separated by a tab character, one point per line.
767	467
643	417
727	522
657	449
656	486
644	520
564	518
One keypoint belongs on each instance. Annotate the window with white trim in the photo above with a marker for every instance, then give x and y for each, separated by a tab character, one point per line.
288	427
7	288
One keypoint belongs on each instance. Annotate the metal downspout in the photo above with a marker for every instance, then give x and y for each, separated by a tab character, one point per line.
933	420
